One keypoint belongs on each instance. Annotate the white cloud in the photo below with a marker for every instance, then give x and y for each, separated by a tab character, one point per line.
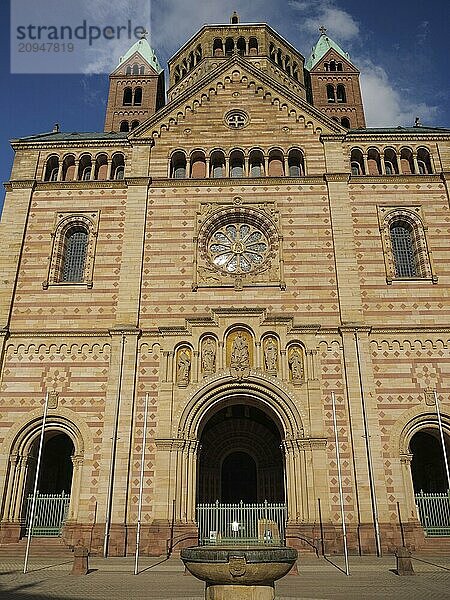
339	22
386	106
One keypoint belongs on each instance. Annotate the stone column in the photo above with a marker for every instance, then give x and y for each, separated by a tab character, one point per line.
60	170
191	480
409	505
77	461
14	461
284	369
108	171
258	358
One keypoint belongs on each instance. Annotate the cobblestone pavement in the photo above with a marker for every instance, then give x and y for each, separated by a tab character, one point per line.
159	579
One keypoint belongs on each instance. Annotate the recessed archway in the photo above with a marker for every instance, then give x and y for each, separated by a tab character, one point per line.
427	465
240	455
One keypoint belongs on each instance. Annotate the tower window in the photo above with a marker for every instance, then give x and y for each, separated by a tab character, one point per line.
229	46
51	169
85	167
137	96
424	161
345	122
124	126
218	47
134	124
330	93
403	249
241	46
339	66
128	70
135	69
74	255
198	165
253	46
256	163
340	93
127	96
357	162
390	162
118	166
276	163
332	65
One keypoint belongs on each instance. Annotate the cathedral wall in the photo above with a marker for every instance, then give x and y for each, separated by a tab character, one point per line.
70	306
409	303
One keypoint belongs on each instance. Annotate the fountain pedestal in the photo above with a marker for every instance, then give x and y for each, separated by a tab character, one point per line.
239	573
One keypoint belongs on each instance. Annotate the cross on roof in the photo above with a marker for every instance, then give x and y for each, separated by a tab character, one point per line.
322	29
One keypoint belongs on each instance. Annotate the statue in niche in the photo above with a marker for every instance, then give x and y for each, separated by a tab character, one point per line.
208	356
271	355
240	357
296	365
183	367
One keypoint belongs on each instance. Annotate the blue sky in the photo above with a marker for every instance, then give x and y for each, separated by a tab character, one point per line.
401	50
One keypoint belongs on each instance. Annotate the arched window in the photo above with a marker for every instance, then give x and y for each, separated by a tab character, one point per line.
68	170
272	51
218	47
191	61
198	54
330	93
276	163
424	161
296	164
135	69
390	162
373	162
326	66
177	75
241	46
229	46
178	165
406	161
127	96
137	96
332	65
74	254
51	169
237	164
340	93
85	167
198	165
101	167
256	163
279	57
345	122
134	124
118	166
295	71
339	66
403	251
142	70
357	162
287	65
253	46
124	126
128	70
404	244
217	164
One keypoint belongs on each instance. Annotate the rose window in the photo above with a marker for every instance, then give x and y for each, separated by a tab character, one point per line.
238	248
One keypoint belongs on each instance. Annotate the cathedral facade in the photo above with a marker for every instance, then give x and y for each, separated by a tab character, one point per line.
237	250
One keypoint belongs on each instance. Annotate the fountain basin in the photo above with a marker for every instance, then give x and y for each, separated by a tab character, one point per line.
239	573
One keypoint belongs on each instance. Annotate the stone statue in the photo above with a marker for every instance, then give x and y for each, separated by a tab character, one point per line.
240	357
271	354
183	367
208	356
296	365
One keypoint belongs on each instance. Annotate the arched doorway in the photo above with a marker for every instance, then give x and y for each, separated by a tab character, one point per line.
54	483
240	457
430	480
427	465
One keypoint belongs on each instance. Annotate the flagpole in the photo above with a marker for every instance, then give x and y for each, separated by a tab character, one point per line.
141	488
441	431
341	494
36	481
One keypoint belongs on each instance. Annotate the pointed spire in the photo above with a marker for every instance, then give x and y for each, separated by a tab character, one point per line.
145	50
323	44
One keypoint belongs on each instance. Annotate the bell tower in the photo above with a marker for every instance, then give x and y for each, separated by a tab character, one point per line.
333	83
136	88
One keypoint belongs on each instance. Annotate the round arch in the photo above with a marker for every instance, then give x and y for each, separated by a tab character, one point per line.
259	389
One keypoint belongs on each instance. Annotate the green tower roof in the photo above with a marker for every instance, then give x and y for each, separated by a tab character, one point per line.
319	50
146	51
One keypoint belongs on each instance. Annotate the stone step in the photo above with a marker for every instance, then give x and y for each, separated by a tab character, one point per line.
40	547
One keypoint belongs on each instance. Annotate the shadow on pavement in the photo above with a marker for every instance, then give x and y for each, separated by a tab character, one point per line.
427	562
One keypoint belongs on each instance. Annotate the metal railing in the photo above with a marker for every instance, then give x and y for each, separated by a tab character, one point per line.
434	512
247	524
50	514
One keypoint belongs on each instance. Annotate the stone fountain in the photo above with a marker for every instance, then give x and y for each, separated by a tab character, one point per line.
239	573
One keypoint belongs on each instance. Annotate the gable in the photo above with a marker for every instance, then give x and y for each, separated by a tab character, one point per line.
134	58
236	84
332	54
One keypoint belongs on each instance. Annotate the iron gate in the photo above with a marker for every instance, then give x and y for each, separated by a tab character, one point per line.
434	513
249	524
50	514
